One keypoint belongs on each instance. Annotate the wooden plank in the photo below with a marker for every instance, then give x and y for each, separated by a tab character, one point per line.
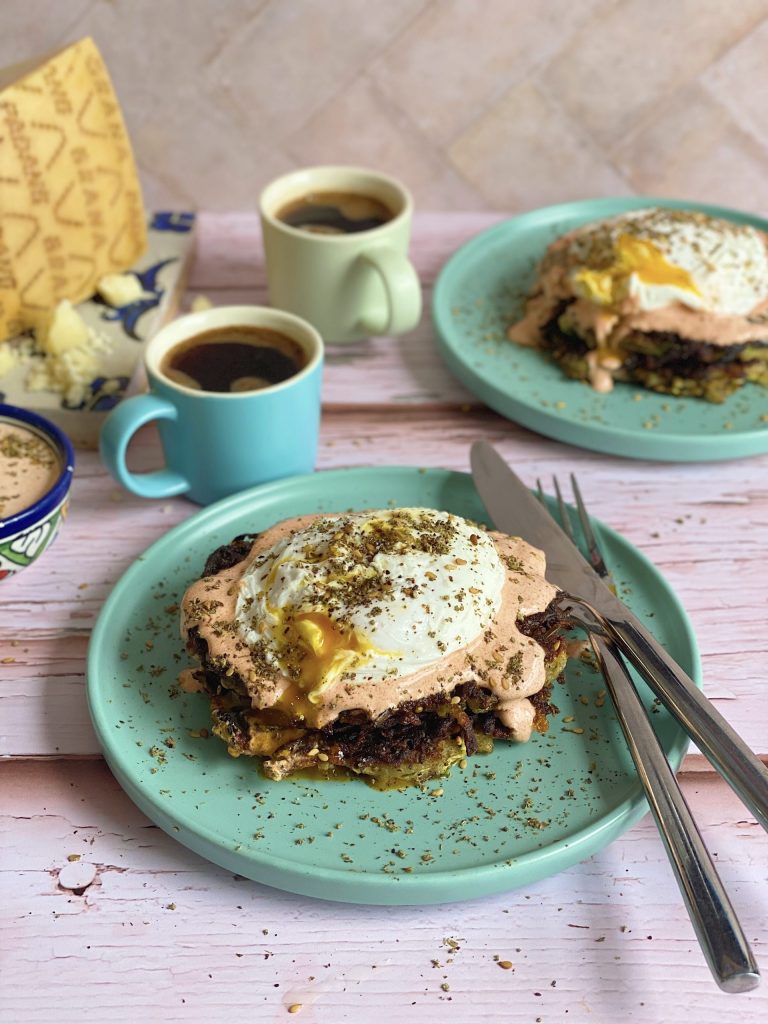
161	935
678	515
44	712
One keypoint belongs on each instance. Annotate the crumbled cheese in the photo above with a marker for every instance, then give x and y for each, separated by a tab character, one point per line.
70	349
9	359
64	359
67	374
120	289
66	330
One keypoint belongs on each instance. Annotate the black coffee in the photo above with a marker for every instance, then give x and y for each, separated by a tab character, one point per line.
335	213
234	359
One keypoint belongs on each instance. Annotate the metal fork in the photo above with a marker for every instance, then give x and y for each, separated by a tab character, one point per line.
714	920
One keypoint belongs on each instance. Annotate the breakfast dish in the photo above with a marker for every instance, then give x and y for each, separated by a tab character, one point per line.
523	813
482	290
389	643
673	300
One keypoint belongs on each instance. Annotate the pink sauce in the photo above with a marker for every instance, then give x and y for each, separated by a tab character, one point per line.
209	605
29	467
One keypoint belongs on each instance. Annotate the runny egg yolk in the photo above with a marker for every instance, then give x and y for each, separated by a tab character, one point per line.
323	649
636	257
326	650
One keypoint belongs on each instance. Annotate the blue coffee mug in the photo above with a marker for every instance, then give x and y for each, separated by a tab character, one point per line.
218	443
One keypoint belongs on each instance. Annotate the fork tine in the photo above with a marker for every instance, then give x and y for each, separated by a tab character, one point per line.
565	519
595	555
540	493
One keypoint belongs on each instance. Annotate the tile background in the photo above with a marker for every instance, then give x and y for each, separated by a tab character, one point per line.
476	104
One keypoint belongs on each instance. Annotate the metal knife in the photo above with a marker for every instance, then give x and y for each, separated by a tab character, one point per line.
515	510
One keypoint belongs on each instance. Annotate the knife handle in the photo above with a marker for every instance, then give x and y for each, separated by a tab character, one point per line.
714	920
729	754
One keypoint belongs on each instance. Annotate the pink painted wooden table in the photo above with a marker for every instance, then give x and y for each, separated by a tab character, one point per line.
161	935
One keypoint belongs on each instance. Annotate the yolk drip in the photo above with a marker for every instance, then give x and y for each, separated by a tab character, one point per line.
328	650
316	649
634	256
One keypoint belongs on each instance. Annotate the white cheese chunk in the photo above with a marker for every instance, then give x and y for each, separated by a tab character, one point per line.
8	359
120	289
66	330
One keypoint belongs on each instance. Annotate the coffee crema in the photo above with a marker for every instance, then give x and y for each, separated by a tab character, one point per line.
335	213
234	359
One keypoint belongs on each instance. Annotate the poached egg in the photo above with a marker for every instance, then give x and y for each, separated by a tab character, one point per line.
367	596
656	257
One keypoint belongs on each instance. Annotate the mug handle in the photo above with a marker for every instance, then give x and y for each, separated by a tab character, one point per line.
120	426
402	289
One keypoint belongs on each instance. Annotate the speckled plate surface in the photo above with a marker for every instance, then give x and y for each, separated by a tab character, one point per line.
521	813
480	292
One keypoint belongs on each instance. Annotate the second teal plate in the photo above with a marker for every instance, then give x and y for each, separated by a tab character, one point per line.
480	292
516	815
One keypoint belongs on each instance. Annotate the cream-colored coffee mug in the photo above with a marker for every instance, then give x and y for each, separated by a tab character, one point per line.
349	278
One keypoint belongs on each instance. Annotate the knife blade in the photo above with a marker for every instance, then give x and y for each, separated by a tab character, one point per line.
515	510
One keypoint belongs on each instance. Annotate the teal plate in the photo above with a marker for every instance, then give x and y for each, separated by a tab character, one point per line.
480	292
521	813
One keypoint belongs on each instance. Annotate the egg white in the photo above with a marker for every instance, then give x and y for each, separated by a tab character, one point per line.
727	263
434	604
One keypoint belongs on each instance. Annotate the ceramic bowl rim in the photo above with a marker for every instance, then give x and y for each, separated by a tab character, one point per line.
55	494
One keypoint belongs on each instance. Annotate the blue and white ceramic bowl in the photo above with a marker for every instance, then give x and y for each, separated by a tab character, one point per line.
26	534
